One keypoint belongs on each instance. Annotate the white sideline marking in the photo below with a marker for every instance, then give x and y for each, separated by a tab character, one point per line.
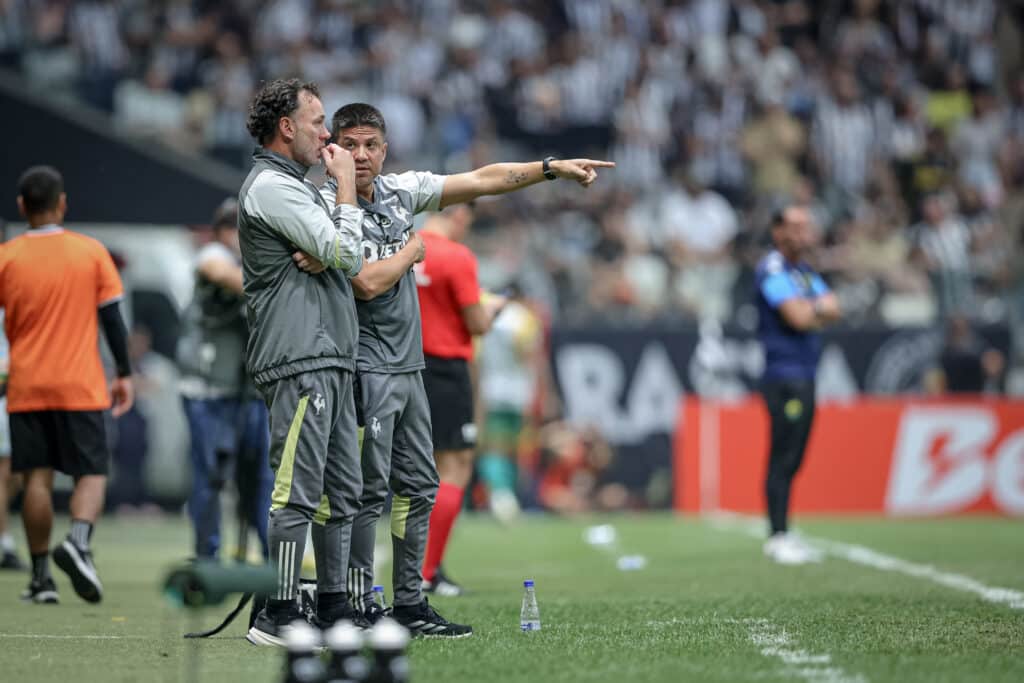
814	668
53	637
773	641
858	554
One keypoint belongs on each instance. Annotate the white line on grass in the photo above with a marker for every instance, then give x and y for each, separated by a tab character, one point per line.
859	554
47	636
773	641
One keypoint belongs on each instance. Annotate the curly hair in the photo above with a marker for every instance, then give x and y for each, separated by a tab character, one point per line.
275	99
357	114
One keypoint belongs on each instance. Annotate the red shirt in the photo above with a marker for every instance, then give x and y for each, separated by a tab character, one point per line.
447	283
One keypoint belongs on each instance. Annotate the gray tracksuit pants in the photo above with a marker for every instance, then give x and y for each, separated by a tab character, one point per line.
314	452
397	451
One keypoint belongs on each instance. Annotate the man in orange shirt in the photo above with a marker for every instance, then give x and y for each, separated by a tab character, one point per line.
453	309
55	286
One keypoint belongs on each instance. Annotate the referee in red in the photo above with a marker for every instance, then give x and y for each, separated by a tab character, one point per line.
453	309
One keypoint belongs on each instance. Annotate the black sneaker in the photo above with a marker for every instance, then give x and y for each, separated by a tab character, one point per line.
41	592
10	560
77	564
442	585
375	613
270	626
328	617
422	619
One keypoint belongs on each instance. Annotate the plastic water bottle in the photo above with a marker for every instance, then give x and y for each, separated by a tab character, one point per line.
378	597
347	664
388	641
529	615
303	664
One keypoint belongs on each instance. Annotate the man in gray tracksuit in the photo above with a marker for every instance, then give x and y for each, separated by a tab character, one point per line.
301	351
397	448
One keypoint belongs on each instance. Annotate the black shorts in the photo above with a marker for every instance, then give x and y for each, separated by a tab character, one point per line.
450	394
70	441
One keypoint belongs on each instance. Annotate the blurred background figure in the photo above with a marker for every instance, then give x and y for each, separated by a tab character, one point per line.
794	304
509	359
572	471
967	364
128	485
227	419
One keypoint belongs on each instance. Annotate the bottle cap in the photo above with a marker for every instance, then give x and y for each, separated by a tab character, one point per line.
378	589
528	583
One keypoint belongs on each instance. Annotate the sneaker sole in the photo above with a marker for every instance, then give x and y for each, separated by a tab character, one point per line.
44	598
85	582
417	631
263	639
444	635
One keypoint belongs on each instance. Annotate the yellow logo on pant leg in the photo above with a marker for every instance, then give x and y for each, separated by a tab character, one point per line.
794	408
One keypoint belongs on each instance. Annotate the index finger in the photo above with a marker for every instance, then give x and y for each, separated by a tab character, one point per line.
598	163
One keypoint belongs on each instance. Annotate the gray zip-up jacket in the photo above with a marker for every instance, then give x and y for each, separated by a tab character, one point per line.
297	322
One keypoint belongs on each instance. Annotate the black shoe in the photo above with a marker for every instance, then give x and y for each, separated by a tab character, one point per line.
41	592
77	564
442	585
422	619
307	599
375	613
328	617
270	626
11	561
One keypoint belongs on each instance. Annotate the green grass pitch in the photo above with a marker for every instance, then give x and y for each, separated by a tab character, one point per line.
707	607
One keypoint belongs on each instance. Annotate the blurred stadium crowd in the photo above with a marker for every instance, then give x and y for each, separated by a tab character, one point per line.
902	123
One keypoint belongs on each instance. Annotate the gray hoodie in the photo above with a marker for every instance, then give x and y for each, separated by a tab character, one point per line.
297	322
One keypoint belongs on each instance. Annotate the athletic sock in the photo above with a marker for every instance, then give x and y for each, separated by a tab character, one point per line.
497	472
325	602
41	567
81	532
447	507
6	542
275	606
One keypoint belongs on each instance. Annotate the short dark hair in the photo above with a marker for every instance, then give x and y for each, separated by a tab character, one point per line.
779	213
357	114
40	188
274	100
226	215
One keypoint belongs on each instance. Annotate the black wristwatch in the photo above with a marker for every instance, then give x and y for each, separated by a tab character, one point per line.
548	173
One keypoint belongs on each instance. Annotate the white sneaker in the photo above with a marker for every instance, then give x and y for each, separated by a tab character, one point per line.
813	553
504	506
785	549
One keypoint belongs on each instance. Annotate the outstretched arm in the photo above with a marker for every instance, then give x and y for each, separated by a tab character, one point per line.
508	177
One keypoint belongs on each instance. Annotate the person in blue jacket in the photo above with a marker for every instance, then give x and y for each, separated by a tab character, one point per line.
794	304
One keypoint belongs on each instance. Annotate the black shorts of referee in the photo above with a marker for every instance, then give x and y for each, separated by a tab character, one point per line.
450	395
